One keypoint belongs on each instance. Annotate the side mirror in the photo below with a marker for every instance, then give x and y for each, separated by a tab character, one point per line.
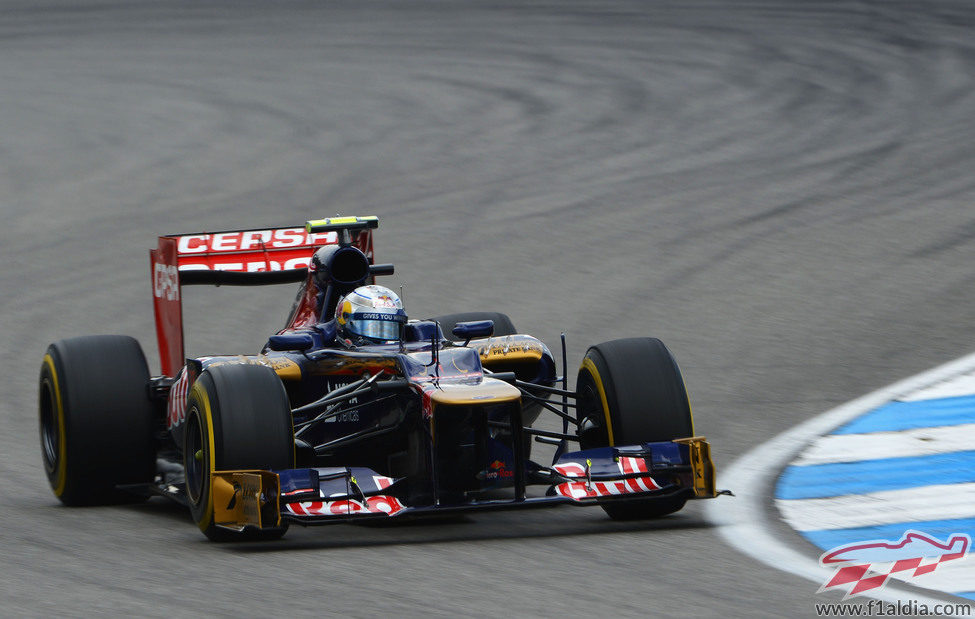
473	328
290	341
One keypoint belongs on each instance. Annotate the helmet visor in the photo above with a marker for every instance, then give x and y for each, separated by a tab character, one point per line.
376	326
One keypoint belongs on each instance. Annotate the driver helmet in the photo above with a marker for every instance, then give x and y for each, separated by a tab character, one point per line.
370	314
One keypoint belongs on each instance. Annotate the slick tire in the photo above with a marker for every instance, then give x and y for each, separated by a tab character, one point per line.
502	324
238	418
96	419
631	391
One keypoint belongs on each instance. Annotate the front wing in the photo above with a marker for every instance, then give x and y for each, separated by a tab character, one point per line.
264	499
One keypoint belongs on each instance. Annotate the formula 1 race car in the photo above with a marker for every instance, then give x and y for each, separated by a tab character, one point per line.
353	412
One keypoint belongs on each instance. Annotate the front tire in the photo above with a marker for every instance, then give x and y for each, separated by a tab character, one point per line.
96	419
238	418
631	391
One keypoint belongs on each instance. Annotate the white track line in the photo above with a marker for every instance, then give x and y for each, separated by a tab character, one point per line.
958	386
835	448
744	521
938	502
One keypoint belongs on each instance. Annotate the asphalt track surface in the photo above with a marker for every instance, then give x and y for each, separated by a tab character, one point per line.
781	191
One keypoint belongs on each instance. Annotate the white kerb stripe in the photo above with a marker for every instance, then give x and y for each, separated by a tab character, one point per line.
951	388
883	445
940	502
956	576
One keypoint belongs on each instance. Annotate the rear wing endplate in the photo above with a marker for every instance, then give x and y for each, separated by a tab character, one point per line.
237	258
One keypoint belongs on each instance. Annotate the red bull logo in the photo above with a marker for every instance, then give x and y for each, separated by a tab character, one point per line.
385	301
497	469
867	566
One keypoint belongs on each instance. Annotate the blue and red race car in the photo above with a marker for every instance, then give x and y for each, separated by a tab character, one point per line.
354	412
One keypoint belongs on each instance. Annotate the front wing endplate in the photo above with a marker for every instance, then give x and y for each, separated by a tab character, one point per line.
245	498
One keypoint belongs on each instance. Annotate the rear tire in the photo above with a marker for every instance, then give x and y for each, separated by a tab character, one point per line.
502	324
96	419
631	391
243	412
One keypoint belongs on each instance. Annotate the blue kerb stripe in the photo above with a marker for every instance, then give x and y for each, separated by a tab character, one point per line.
827	480
941	529
909	415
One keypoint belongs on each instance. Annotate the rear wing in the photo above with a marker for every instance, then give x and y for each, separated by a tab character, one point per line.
237	258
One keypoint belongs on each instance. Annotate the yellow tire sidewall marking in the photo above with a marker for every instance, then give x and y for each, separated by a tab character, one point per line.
61	471
591	367
204	400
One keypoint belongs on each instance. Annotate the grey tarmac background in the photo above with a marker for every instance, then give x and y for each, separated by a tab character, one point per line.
781	191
